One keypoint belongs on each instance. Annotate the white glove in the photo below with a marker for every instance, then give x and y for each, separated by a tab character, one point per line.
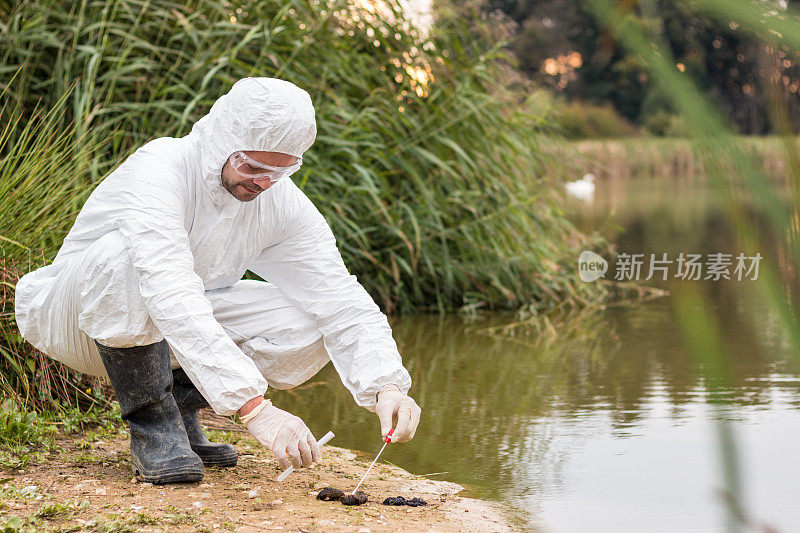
283	433
394	407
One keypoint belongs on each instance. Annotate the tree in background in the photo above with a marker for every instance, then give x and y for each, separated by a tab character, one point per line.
560	44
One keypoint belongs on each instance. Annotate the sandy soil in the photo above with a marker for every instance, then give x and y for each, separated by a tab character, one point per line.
88	485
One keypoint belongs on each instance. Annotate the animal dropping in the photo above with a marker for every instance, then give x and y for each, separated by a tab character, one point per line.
329	494
399	500
359	498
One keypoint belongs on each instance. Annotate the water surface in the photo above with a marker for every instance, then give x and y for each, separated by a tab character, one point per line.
612	425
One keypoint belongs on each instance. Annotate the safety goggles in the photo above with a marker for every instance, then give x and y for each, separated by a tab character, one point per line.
250	168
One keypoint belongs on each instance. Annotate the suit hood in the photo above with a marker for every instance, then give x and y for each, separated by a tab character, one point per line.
257	114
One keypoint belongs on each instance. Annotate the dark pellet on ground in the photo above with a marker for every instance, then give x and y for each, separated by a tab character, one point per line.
329	494
359	498
399	500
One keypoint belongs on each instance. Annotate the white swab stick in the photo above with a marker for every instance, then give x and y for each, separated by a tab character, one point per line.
321	442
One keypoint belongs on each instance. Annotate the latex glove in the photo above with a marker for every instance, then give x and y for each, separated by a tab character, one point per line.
399	410
284	433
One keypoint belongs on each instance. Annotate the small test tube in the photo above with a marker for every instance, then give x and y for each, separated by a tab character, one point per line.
321	442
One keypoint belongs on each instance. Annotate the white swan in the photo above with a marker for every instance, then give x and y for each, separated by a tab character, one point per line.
583	189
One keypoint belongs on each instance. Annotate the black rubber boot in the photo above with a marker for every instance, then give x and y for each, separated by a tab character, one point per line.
142	379
190	401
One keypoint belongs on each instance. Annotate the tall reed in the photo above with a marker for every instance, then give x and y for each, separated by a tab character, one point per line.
431	183
430	179
42	184
668	158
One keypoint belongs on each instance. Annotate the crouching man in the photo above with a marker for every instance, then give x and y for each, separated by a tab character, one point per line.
147	290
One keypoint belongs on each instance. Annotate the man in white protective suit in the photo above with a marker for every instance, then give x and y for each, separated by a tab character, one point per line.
147	289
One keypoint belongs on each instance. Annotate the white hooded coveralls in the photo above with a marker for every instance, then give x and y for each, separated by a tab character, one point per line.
160	247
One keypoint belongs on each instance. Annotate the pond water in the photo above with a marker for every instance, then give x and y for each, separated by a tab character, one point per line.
612	425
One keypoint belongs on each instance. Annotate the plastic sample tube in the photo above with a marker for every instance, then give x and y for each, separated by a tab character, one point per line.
321	442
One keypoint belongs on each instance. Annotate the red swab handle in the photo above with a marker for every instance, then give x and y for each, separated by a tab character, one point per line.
388	437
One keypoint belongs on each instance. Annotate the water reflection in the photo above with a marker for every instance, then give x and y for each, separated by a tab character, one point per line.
610	426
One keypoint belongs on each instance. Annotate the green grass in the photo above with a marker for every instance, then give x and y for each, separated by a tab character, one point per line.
60	510
42	185
23	435
667	158
30	436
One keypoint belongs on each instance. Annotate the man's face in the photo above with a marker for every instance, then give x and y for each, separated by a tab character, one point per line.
246	189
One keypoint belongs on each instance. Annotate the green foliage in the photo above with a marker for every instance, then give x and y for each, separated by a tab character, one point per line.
659	123
144	519
229	437
667	158
586	121
27	435
729	64
429	181
43	182
14	424
22	434
61	510
42	170
105	420
175	516
10	524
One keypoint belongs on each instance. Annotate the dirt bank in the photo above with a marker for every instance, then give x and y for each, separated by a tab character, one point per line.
87	485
